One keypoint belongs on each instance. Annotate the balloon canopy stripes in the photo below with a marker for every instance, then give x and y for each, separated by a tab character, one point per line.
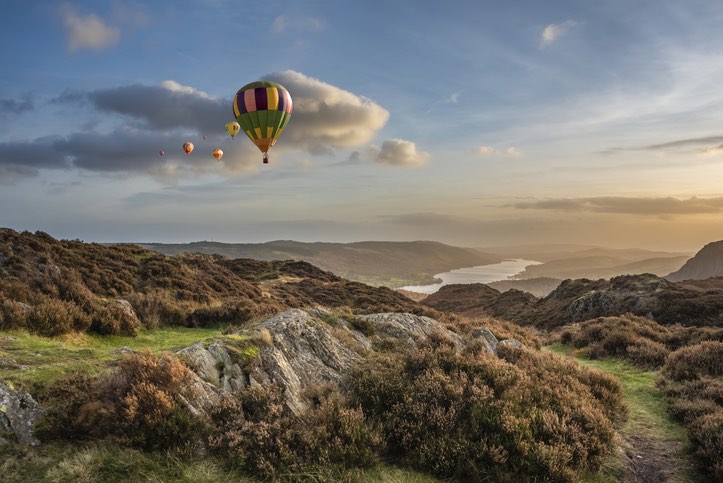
262	109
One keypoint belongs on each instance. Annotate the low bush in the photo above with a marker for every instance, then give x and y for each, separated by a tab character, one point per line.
114	319
53	317
692	381
693	362
479	417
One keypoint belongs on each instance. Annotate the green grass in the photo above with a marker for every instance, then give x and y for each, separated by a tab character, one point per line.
648	412
48	358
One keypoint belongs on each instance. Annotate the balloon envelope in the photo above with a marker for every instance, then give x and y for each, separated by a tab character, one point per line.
263	110
188	147
233	128
217	153
161	153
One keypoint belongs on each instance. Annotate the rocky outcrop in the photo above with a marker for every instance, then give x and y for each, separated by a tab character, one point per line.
708	262
309	348
19	413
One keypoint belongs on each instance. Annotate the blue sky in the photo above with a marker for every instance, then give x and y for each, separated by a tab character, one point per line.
469	122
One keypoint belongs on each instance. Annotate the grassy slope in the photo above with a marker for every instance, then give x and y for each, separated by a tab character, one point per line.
648	418
49	358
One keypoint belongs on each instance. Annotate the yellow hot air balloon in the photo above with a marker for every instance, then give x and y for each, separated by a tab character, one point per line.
217	153
188	147
233	128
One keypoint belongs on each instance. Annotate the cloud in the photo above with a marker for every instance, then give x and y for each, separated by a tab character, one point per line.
510	152
17	106
552	32
398	152
88	31
326	117
675	145
303	23
164	107
161	117
712	150
628	205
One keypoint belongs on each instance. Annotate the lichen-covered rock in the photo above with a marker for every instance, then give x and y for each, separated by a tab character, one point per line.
19	413
487	338
512	343
214	363
408	327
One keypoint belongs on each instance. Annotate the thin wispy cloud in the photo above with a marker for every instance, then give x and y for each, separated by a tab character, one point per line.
87	31
17	106
509	152
300	23
628	205
553	32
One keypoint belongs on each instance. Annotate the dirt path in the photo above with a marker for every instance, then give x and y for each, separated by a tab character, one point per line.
653	446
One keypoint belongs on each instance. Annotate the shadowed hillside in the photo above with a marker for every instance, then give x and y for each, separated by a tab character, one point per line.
55	286
394	264
708	262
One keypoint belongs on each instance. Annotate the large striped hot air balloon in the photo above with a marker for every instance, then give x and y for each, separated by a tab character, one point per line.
263	110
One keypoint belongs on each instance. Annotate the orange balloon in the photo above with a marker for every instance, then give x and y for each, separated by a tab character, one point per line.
217	153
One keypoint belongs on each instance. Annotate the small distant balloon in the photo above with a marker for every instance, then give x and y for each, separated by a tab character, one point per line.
161	153
233	128
204	137
217	153
188	147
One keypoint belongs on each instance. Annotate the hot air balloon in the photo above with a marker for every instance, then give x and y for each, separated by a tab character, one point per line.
188	147
161	153
263	110
217	153
233	128
204	137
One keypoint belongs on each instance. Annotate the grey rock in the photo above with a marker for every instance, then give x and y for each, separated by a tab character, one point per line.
409	327
19	413
486	337
124	350
215	365
512	343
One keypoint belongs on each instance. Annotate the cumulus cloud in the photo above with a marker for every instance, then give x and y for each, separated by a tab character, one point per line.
87	31
552	32
327	117
398	152
628	205
509	152
303	23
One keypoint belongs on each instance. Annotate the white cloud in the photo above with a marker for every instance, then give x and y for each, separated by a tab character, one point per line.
554	31
398	152
87	31
303	23
510	152
326	117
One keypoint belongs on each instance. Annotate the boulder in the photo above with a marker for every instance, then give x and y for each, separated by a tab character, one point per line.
514	343
19	413
487	338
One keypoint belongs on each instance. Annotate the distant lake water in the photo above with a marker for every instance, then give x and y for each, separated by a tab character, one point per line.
478	274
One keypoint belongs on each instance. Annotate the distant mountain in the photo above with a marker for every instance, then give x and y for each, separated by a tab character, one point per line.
393	264
708	262
596	264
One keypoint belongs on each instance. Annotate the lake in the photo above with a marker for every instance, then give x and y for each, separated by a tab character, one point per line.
478	274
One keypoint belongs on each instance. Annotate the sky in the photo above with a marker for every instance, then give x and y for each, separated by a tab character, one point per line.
474	123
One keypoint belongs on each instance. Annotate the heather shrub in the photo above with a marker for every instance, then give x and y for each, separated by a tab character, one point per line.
53	317
13	315
693	362
256	433
479	417
114	319
706	435
140	404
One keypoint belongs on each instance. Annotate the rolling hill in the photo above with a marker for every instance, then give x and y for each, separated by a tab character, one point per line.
393	264
708	262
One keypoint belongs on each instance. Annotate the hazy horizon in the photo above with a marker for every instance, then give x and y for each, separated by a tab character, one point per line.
473	123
